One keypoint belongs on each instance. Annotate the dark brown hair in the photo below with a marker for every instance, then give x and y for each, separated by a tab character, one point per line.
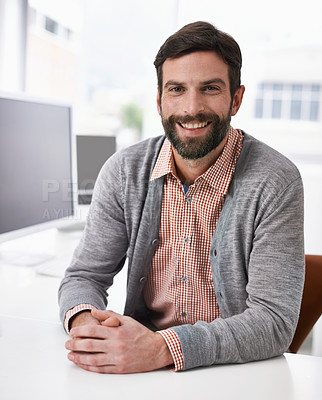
202	36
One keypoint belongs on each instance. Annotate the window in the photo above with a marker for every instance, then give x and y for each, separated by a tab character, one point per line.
294	101
51	25
42	21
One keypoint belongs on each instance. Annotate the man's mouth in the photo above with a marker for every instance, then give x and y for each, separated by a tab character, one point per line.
194	125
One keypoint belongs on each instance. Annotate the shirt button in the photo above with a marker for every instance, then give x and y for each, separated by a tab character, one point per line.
183	279
185	240
183	314
188	199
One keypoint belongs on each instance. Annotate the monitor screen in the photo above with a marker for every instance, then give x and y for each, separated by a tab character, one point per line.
92	152
35	165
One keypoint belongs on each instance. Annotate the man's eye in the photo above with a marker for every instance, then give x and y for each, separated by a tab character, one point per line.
211	88
176	89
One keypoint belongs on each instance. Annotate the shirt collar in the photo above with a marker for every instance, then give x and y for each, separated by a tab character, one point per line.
165	163
218	175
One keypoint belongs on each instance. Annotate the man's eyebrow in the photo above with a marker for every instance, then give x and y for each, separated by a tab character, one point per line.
205	83
172	83
215	80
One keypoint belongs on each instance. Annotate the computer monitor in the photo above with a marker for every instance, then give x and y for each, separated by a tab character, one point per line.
35	165
92	152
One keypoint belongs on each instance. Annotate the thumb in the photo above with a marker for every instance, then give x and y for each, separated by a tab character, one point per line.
107	317
111	322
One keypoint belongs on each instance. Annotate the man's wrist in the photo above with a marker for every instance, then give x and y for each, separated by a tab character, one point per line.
79	319
173	343
165	355
73	312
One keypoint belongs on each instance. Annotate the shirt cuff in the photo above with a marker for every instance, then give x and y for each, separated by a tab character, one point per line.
73	311
174	346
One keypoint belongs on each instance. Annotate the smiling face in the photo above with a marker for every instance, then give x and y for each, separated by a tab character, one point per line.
196	104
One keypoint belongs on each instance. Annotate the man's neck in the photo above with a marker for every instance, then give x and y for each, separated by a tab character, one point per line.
189	170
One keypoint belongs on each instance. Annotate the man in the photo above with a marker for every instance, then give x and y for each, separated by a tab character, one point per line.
210	220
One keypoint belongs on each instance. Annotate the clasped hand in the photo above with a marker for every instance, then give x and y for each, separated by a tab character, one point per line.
112	343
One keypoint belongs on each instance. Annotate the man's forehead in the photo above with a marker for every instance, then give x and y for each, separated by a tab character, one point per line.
199	66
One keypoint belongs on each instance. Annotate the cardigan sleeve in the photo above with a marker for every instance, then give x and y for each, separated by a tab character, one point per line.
102	250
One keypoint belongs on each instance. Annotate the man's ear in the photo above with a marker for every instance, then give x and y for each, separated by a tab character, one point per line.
159	102
237	100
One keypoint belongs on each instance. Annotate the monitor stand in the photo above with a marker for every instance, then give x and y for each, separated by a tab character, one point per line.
77	223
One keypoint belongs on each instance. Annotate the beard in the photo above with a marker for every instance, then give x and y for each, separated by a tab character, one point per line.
197	147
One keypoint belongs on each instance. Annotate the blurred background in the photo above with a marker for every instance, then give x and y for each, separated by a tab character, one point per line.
98	55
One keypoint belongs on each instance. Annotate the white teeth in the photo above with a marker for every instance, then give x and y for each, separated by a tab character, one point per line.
194	125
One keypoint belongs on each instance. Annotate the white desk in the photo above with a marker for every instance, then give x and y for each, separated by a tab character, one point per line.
34	364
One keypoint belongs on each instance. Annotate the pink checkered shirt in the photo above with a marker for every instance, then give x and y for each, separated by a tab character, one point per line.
179	288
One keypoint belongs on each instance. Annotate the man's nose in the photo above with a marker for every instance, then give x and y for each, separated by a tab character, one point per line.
193	102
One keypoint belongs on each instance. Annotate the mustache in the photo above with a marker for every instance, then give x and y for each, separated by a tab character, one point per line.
200	117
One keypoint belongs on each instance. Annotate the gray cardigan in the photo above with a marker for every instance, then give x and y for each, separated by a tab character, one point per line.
257	252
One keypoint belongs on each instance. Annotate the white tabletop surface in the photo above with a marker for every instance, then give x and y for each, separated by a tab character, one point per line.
34	364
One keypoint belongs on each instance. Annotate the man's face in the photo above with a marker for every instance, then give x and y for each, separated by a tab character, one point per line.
196	104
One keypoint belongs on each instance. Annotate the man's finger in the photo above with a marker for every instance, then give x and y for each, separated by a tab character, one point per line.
104	314
89	359
89	331
106	369
85	345
111	322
